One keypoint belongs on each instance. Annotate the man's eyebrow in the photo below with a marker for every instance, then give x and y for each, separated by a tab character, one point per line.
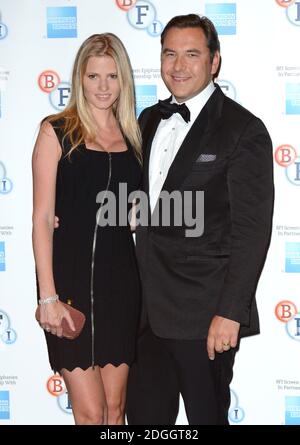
166	50
190	50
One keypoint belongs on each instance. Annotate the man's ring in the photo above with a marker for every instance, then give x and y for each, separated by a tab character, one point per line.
48	329
225	344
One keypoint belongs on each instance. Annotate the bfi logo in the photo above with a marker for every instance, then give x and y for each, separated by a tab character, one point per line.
59	97
48	80
293	13
227	87
3	29
292	8
7	335
64	403
236	414
59	92
293	172
6	184
141	14
286	312
125	5
56	385
57	388
285	3
286	156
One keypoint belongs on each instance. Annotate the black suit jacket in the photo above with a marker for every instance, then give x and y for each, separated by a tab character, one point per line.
188	280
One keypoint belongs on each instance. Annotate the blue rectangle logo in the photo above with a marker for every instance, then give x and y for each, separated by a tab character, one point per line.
62	22
4	405
223	16
292	98
292	410
146	95
292	257
2	256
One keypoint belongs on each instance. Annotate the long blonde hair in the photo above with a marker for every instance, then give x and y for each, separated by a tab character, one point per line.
79	122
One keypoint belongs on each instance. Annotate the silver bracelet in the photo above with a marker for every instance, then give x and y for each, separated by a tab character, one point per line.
48	300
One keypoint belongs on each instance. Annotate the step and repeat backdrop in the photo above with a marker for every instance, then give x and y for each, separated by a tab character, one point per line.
260	70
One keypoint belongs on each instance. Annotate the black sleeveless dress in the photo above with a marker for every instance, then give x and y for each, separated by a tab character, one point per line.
110	298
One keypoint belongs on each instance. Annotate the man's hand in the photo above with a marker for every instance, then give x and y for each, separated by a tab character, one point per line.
56	222
222	335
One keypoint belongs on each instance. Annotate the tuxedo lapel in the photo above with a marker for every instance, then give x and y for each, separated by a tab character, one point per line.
195	141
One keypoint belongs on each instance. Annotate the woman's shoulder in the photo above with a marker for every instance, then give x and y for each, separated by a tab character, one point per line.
56	122
58	125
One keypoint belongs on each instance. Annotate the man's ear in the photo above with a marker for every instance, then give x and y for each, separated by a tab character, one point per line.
216	64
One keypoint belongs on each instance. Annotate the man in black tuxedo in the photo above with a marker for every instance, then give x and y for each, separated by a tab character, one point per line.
198	292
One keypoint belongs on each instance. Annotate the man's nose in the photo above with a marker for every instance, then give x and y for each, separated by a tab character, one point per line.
179	63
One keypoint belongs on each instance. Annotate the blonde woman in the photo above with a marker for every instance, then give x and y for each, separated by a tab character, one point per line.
90	147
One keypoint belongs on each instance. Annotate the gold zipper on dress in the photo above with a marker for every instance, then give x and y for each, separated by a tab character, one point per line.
93	261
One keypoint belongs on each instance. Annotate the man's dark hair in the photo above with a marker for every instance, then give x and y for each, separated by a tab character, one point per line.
195	21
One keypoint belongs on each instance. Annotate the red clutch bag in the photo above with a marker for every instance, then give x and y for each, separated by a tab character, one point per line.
78	319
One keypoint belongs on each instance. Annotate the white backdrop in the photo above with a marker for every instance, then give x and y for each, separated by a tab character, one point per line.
261	70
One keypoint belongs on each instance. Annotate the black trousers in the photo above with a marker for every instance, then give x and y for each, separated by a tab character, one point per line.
165	368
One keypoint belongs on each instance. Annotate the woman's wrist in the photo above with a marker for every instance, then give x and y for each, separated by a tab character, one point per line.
48	300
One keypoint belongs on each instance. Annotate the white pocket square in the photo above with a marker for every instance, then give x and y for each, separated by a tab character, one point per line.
206	158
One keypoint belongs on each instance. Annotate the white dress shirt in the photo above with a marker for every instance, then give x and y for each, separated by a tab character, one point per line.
168	138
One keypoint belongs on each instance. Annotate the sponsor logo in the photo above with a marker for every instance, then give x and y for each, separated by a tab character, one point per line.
61	22
292	10
146	95
48	80
227	87
292	98
60	95
292	257
2	256
4	405
3	30
223	16
125	5
58	91
293	13
236	413
285	3
293	172
292	410
142	15
285	155
56	385
293	327
64	402
6	184
285	310
7	335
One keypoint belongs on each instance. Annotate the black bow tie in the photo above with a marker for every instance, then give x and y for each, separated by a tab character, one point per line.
167	110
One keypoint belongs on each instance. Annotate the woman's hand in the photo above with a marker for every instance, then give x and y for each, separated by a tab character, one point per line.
51	318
